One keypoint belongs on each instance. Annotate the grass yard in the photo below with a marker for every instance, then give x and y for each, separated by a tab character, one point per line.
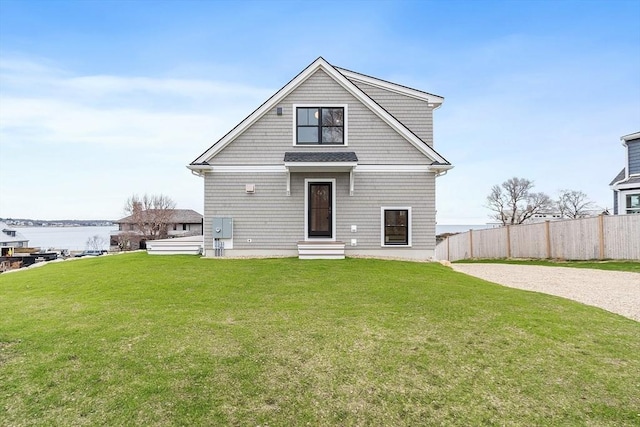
632	266
142	340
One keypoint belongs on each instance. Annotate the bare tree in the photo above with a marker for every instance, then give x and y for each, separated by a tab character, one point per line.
513	202
150	214
96	243
573	204
124	239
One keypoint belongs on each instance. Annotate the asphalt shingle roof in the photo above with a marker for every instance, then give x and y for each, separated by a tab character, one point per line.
320	157
632	180
618	177
178	216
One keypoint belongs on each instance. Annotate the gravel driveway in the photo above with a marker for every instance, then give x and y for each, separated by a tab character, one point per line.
614	291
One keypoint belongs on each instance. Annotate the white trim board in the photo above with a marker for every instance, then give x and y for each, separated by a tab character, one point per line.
339	166
334	209
409	225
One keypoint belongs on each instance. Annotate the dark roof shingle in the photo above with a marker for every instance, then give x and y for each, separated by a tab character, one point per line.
320	157
178	216
618	177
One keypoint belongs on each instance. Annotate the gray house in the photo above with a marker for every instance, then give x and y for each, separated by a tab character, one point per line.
175	223
10	237
626	185
335	163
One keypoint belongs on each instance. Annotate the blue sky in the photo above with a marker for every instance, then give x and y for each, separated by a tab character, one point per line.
103	99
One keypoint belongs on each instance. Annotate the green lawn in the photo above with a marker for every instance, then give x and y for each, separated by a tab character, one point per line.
632	266
141	340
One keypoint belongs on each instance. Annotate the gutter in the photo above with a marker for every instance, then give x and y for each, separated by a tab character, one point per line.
199	169
440	169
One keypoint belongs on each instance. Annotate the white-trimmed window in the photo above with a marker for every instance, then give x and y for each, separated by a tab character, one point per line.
631	202
320	125
395	226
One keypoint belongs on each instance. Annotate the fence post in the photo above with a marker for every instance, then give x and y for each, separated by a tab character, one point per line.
548	238
601	234
508	241
471	243
448	251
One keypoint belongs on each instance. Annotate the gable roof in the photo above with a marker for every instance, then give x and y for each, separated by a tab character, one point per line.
393	87
346	83
619	177
178	216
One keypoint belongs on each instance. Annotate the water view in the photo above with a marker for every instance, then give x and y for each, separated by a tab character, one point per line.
72	238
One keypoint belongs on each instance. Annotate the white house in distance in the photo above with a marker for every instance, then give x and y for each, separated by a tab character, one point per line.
626	185
12	238
335	163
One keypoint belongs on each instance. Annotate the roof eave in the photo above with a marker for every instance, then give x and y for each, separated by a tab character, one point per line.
320	166
436	100
630	137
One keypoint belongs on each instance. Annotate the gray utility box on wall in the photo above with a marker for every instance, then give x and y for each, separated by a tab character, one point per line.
222	228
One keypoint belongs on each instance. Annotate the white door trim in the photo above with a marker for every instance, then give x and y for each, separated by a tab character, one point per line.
331	181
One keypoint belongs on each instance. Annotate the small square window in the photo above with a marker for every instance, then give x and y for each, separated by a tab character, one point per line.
320	125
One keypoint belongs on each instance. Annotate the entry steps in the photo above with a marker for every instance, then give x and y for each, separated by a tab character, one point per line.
320	250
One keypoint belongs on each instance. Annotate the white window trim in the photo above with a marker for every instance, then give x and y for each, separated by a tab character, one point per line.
320	105
307	181
409	226
622	200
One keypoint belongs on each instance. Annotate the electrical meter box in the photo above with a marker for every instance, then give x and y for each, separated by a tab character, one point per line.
222	228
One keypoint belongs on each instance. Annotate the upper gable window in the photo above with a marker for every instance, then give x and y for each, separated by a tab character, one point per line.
320	125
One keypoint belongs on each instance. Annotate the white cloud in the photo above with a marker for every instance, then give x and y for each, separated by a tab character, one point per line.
45	105
82	144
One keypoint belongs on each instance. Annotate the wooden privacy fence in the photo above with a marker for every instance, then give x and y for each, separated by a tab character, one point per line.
601	237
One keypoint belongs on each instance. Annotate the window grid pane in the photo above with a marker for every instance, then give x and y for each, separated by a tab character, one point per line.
396	229
633	204
317	125
308	116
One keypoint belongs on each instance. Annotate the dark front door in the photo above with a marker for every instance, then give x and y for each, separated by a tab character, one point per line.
320	209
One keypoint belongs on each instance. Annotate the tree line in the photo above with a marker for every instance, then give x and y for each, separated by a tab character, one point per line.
515	202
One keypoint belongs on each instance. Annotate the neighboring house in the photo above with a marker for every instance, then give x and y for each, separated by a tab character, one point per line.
334	163
545	216
10	237
181	223
626	185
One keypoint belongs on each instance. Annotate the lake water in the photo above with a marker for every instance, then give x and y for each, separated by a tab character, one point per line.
75	238
72	238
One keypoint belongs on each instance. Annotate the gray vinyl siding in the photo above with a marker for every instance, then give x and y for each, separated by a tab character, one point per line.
615	202
275	221
634	156
266	141
413	113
